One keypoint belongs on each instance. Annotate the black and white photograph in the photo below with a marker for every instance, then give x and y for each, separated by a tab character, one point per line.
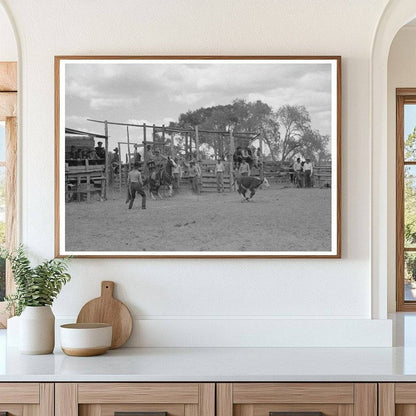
198	156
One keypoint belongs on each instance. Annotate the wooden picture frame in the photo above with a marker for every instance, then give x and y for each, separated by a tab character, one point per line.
8	115
94	96
404	96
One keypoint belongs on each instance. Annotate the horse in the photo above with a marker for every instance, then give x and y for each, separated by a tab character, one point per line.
161	177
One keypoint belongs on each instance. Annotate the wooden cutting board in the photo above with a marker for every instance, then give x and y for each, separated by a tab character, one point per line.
107	309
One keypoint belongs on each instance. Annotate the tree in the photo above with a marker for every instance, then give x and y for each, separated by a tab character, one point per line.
410	146
270	132
287	131
410	208
295	122
410	191
314	146
410	205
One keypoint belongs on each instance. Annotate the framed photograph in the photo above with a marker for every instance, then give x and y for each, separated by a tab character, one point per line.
196	156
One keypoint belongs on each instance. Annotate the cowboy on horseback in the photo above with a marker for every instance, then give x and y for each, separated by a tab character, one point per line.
160	174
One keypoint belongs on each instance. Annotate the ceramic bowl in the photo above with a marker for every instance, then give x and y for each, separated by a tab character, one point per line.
84	340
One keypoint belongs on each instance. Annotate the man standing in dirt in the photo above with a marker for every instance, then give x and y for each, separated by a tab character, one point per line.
195	174
135	184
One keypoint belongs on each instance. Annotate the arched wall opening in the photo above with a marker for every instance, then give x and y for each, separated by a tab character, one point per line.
396	15
401	74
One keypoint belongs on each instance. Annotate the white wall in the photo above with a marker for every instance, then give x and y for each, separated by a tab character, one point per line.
401	74
8	47
179	302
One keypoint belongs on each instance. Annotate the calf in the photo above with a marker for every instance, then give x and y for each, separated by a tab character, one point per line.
250	183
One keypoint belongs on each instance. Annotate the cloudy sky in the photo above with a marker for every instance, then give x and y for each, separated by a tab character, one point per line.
157	93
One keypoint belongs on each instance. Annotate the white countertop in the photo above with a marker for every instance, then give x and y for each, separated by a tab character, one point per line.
213	364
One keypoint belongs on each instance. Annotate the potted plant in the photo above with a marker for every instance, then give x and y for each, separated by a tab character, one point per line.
36	289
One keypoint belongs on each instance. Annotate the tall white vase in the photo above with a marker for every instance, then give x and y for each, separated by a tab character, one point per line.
13	332
37	330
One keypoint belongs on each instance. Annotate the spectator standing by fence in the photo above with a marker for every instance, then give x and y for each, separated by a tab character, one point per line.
177	174
115	161
244	169
219	173
259	158
194	175
100	151
198	176
307	171
297	167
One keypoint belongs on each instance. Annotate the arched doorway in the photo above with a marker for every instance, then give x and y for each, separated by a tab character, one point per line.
396	14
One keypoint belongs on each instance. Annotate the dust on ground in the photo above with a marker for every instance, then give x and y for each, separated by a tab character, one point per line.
277	219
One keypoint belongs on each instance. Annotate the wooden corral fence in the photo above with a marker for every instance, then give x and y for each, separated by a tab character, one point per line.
281	172
85	181
84	177
209	179
119	179
276	171
191	136
322	175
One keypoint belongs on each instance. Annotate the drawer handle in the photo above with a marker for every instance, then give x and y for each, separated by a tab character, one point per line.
139	414
296	414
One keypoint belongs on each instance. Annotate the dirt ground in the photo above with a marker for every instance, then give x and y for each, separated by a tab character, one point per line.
277	219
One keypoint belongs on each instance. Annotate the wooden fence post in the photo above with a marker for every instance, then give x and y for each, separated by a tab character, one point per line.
107	164
144	142
231	159
197	142
120	165
128	148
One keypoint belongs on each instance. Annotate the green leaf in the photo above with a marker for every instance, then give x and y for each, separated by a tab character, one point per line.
35	286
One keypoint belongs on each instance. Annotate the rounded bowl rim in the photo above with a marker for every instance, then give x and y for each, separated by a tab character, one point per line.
86	326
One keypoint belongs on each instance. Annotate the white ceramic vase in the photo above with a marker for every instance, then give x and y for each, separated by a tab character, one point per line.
37	330
13	331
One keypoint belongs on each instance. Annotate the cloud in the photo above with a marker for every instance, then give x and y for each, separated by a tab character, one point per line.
160	92
99	103
75	119
136	121
187	98
76	89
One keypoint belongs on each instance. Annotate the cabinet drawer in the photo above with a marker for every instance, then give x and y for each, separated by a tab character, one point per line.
297	399
397	399
153	399
19	393
21	399
138	393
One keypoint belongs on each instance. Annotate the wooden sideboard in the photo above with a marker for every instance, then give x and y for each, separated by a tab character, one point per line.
208	399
